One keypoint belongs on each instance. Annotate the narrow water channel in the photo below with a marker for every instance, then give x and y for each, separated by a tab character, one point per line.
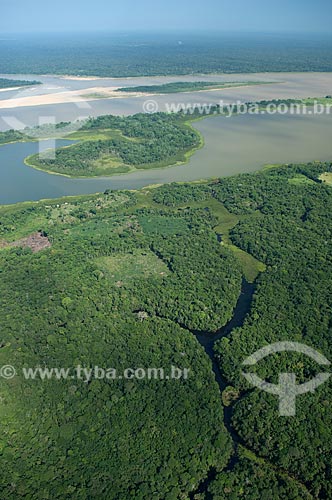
208	340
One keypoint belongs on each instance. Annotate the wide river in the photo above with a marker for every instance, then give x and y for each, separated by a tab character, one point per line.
51	101
240	144
232	145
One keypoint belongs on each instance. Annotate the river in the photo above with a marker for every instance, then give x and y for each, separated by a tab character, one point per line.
232	145
284	86
208	340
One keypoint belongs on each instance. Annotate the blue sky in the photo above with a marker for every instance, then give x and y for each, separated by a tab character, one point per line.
163	15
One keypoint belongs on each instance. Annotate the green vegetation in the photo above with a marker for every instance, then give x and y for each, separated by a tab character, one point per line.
126	276
80	303
5	83
11	136
200	197
255	480
46	131
113	145
95	95
309	101
175	87
300	179
326	177
287	226
121	268
321	100
108	55
110	145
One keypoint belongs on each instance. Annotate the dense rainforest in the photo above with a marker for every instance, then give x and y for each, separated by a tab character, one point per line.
112	144
126	280
164	54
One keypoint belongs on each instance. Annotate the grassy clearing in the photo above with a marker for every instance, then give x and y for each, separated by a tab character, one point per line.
99	135
126	267
226	220
251	267
31	224
319	100
326	177
270	166
110	164
300	180
144	199
158	224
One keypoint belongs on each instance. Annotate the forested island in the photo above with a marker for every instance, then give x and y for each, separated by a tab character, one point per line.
175	87
5	83
127	279
110	145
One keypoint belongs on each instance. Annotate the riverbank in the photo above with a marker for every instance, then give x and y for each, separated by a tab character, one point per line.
111	164
231	147
80	97
177	201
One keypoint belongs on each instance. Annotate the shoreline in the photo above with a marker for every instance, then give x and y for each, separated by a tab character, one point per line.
84	96
78	197
230	84
187	155
171	75
8	89
80	97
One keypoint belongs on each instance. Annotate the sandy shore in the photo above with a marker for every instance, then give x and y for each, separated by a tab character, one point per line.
84	96
284	86
77	96
80	78
10	88
81	97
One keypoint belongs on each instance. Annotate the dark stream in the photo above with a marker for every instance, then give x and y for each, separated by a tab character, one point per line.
208	340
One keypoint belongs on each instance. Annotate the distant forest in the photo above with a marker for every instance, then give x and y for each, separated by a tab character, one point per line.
172	54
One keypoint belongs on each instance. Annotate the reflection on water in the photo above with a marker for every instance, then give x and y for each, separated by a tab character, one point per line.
240	144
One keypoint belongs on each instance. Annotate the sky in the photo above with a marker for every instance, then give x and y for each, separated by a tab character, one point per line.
36	16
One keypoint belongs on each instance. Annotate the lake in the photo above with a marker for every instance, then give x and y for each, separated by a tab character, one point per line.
239	144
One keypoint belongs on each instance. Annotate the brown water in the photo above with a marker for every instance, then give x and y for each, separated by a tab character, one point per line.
286	85
240	144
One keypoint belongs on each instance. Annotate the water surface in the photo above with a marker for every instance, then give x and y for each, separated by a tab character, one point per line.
235	145
286	85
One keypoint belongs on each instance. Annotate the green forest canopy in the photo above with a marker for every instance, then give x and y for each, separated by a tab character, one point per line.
79	302
162	54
